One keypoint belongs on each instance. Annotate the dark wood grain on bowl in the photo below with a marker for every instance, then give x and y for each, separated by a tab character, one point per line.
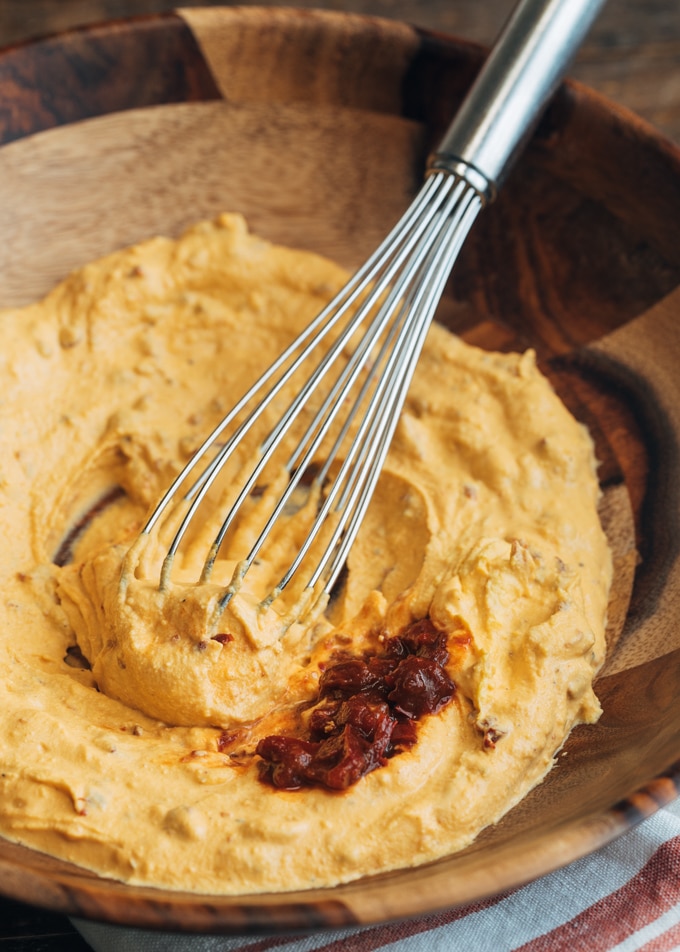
102	69
320	143
589	221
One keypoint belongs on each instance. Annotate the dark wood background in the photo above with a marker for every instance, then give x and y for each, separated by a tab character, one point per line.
632	56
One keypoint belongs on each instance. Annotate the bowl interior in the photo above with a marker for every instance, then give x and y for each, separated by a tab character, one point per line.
316	126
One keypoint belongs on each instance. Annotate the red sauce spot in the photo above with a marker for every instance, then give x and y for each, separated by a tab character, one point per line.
223	638
421	686
365	714
491	737
286	760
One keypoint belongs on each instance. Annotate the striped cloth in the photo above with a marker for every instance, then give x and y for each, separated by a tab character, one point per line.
623	898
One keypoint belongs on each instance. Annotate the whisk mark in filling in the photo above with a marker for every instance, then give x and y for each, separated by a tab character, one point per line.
64	553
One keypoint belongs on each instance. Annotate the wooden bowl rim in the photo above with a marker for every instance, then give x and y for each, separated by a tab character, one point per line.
75	891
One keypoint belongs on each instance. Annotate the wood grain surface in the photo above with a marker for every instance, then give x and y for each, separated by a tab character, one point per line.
579	259
632	54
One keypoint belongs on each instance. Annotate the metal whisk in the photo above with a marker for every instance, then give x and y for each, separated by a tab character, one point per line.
345	408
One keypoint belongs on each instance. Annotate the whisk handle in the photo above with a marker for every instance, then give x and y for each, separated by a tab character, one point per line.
504	104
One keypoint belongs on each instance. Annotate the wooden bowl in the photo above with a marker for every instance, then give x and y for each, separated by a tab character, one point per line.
316	126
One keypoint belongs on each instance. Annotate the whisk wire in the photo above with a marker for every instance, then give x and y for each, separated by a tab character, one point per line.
333	402
354	286
357	478
403	235
382	401
419	311
396	294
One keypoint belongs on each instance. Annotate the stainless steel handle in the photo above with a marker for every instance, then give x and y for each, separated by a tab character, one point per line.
506	100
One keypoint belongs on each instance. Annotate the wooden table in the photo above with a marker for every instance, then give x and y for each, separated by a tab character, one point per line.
632	56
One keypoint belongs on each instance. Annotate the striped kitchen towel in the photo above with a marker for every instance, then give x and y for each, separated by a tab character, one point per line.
623	898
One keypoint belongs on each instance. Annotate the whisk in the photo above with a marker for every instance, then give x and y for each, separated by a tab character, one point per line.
350	368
